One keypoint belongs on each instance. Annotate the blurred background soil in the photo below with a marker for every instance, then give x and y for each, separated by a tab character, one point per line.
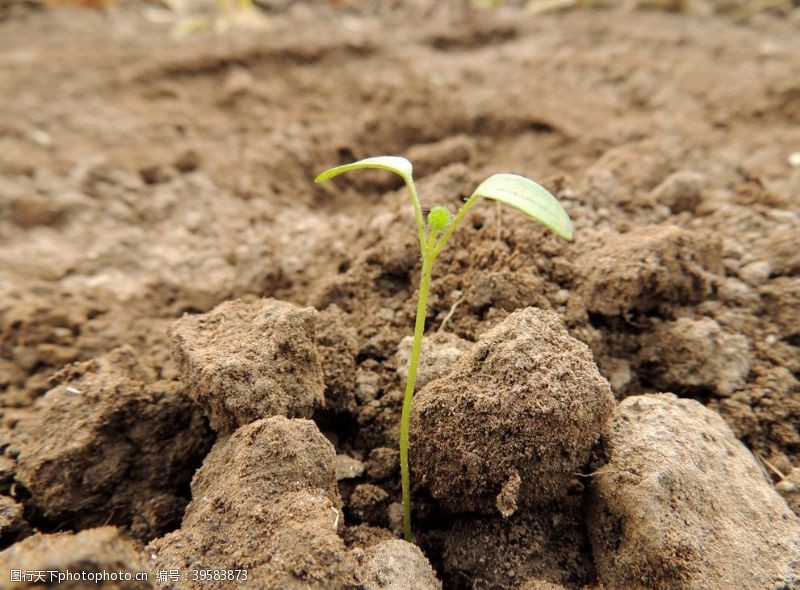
157	159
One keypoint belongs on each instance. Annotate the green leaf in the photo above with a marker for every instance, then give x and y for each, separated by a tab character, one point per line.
399	166
529	197
396	164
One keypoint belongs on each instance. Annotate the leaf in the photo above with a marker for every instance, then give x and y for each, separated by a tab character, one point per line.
399	166
396	164
529	197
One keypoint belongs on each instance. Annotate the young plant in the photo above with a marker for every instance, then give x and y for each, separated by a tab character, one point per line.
518	192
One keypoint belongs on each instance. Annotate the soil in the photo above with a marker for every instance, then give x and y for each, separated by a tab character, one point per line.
162	244
479	443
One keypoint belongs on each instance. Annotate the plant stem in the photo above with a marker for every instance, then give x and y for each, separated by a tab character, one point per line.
423	238
438	245
416	349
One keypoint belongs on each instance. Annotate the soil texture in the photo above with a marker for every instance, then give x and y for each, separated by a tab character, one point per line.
203	353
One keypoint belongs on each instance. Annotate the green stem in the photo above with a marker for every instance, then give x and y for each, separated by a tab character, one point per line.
439	244
416	349
423	238
431	248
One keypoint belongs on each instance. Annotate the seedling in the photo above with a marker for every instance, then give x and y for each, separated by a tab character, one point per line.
518	192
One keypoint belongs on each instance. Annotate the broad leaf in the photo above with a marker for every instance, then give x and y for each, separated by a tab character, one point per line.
529	197
396	164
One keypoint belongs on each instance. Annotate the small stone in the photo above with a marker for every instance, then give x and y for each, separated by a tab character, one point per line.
560	297
506	501
386	314
681	191
237	83
732	290
348	467
619	374
756	273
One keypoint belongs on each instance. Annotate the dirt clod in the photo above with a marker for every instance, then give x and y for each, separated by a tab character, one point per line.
35	210
364	535
756	273
527	401
348	467
383	463
681	191
93	551
13	525
396	565
504	290
143	179
337	348
648	266
779	249
696	354
782	301
368	503
488	552
432	157
265	500
789	488
111	444
541	585
682	504
440	351
248	360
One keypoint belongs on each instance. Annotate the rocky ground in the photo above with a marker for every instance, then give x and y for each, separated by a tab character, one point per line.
202	353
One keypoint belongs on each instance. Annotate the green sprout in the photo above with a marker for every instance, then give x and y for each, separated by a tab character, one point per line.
518	192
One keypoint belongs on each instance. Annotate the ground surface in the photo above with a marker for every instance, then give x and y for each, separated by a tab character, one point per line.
142	178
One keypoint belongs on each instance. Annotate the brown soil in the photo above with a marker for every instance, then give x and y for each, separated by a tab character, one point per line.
480	443
143	181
